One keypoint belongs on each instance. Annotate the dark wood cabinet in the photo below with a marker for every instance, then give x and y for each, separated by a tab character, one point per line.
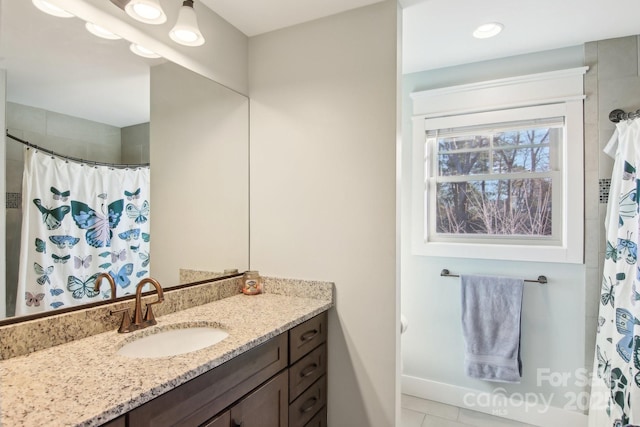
279	383
267	406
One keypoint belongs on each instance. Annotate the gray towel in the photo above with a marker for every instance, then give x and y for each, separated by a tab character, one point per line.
491	308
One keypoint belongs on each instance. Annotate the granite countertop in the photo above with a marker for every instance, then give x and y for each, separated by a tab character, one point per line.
87	383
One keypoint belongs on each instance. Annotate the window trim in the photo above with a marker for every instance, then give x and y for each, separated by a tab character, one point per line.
522	92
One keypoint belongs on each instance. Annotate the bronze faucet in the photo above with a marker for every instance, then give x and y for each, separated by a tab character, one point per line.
149	319
112	283
138	321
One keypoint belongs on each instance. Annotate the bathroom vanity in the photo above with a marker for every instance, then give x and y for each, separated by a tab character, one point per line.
270	371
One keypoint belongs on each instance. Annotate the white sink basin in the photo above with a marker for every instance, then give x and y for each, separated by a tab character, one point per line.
172	342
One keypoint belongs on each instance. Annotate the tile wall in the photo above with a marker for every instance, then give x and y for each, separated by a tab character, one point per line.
613	81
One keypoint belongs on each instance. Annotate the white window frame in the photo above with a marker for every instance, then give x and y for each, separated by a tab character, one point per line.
553	94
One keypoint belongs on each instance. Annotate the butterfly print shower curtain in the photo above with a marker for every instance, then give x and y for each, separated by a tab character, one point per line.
615	390
79	221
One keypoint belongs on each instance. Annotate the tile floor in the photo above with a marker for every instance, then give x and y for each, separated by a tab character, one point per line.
418	412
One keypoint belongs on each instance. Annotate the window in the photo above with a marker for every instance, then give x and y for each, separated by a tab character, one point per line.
504	183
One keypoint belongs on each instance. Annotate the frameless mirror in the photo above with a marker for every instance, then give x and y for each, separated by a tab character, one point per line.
90	98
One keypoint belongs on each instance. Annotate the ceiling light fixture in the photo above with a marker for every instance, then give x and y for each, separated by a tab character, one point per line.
485	31
147	11
51	9
143	51
186	31
99	31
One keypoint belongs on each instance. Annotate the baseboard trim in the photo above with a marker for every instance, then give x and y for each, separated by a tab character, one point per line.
498	404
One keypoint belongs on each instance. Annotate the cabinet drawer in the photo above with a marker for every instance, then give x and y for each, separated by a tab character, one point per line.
306	371
307	405
200	399
320	420
307	336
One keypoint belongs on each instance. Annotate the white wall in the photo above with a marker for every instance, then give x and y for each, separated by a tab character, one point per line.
553	319
323	197
199	194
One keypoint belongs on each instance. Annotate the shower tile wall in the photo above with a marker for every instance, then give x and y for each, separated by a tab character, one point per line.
613	81
63	134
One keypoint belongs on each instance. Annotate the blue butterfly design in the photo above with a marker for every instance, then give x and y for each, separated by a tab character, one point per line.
43	272
139	214
60	195
611	252
52	218
629	171
64	241
144	256
41	246
56	304
60	259
55	291
607	297
99	227
122	277
625	323
141	273
146	237
133	233
628	206
80	288
132	195
630	247
105	265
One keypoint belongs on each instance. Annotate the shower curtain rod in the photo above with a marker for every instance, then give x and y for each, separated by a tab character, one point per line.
75	159
541	279
618	115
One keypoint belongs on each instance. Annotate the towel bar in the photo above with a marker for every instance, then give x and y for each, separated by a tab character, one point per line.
541	279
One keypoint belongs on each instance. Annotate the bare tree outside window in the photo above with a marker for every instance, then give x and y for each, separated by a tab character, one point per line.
496	183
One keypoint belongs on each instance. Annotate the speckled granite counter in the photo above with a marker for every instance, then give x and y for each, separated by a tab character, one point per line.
86	383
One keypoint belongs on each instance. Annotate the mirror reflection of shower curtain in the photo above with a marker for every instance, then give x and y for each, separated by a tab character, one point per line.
80	221
615	388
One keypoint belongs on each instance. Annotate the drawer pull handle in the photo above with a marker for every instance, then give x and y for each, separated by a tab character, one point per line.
308	370
308	405
309	335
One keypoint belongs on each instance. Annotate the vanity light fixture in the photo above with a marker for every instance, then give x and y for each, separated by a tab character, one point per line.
485	31
186	31
143	51
99	31
147	11
51	9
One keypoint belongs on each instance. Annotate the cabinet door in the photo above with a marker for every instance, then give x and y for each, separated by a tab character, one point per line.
223	420
267	406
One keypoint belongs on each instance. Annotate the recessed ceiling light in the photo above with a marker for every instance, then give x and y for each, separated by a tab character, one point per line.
97	30
485	31
51	9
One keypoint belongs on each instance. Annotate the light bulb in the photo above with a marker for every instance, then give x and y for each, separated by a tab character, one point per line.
147	11
51	9
99	31
143	51
186	31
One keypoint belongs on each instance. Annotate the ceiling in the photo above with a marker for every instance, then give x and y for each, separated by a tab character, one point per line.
436	34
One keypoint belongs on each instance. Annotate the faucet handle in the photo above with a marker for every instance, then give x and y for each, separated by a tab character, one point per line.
125	324
149	318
